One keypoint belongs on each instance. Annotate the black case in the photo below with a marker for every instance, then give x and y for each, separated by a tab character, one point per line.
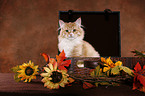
102	29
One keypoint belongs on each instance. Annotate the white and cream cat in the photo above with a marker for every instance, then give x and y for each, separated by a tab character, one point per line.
71	40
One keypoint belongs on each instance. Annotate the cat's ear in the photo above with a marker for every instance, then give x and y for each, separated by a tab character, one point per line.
61	23
78	21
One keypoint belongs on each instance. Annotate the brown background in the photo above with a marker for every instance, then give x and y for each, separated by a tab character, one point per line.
29	27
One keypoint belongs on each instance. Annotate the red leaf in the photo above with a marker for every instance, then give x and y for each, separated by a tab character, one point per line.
46	57
87	85
141	78
143	67
137	67
61	62
136	83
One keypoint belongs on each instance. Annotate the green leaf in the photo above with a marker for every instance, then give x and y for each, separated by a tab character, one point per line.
115	70
16	78
15	69
127	70
96	71
137	53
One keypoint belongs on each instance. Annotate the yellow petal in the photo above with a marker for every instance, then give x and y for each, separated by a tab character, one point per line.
50	66
118	63
44	74
65	80
21	67
45	79
35	67
106	69
30	79
20	71
23	78
108	61
55	66
21	75
62	84
47	83
26	80
56	86
46	69
105	64
102	59
30	62
33	77
50	85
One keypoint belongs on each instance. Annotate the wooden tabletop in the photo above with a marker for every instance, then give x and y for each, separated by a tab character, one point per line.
8	87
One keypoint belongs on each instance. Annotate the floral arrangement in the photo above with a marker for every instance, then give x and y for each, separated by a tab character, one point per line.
55	74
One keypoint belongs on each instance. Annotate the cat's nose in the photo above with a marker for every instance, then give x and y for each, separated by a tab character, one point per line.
71	34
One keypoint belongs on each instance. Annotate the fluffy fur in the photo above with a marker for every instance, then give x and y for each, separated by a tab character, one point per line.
71	40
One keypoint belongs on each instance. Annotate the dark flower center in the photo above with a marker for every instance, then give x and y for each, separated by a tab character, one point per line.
56	77
29	71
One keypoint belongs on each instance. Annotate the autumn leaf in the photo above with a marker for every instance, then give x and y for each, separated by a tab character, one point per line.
97	72
60	60
61	57
87	85
115	70
139	78
127	70
70	80
139	54
46	57
137	67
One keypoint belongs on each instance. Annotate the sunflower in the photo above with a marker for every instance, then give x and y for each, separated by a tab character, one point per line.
28	71
54	77
109	64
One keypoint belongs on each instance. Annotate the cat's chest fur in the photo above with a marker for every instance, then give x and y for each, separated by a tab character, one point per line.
69	45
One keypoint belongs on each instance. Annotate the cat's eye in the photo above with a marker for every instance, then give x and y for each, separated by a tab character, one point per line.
74	30
66	30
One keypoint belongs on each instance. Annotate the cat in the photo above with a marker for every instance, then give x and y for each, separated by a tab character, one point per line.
71	40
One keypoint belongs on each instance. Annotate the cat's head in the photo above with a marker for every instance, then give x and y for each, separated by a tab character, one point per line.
71	30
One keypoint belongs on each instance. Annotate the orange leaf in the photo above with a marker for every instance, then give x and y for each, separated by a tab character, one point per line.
71	80
61	57
52	60
46	57
61	62
87	85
